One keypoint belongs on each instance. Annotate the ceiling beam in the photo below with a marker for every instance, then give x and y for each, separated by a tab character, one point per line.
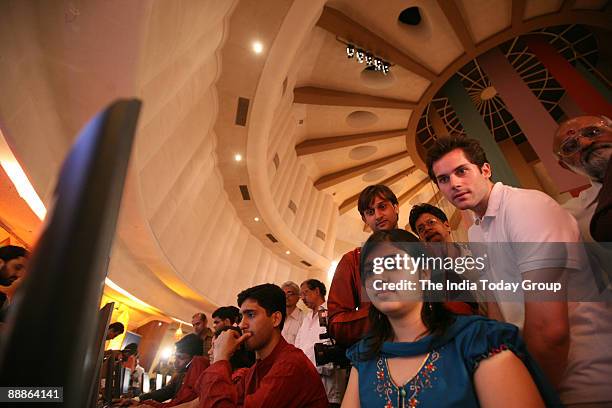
454	17
408	194
435	199
337	142
332	179
339	24
351	202
311	95
518	11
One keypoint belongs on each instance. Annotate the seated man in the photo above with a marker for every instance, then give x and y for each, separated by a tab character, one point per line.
190	364
13	261
282	376
225	316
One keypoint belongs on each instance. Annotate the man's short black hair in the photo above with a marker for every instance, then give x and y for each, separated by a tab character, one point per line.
313	284
228	312
269	296
131	349
424	208
371	192
471	148
117	327
10	252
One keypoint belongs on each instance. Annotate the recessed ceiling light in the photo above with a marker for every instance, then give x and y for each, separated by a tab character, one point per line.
237	157
257	47
288	252
256	219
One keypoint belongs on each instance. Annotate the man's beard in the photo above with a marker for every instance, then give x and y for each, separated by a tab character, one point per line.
597	162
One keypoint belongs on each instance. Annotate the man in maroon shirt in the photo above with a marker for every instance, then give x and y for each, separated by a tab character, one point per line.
348	314
282	376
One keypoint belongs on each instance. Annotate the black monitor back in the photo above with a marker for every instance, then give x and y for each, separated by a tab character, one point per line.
54	319
95	356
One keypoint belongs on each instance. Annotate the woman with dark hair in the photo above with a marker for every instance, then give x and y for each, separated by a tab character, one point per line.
420	354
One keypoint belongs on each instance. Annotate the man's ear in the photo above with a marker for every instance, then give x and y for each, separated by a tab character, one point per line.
276	318
447	225
486	170
1	263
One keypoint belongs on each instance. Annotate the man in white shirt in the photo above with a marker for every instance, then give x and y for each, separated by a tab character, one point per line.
584	145
294	313
508	215
312	292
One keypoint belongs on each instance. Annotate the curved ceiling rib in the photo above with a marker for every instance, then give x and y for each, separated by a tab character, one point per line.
336	142
297	24
332	179
453	14
413	190
351	202
518	11
311	95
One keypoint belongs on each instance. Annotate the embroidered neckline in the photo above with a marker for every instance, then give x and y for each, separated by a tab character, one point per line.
406	394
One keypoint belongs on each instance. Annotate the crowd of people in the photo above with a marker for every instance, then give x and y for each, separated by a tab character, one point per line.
465	348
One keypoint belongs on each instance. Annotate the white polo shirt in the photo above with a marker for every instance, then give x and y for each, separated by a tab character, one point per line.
516	215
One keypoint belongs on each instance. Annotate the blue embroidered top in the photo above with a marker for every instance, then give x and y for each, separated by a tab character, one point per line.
446	377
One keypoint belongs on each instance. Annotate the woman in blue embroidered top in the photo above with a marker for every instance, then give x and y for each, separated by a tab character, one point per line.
420	354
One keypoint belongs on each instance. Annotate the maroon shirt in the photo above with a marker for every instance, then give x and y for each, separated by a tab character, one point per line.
188	390
347	324
285	378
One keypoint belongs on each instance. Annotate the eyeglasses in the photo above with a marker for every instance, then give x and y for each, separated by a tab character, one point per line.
571	145
427	224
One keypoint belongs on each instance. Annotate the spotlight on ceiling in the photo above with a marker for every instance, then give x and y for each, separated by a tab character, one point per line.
372	62
257	47
256	219
410	16
238	157
288	252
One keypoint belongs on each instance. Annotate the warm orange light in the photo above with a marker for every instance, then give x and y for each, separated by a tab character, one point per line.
19	179
127	294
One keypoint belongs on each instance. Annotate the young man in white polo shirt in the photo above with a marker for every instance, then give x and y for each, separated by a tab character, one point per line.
511	215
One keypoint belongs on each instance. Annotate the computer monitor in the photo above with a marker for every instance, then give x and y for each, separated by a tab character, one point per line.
96	353
145	383
126	377
129	338
53	322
